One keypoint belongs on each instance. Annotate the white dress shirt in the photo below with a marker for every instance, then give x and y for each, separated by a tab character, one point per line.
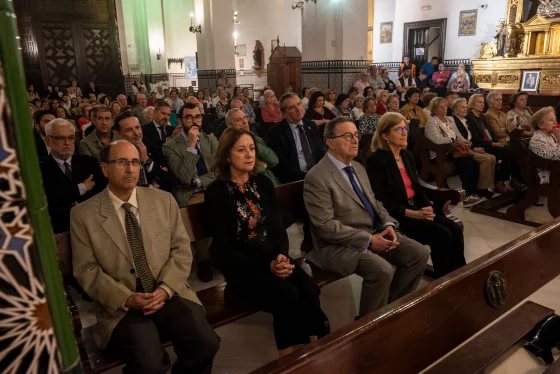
117	203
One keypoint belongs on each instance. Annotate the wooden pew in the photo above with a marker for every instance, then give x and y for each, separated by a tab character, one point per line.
439	167
412	333
529	163
221	307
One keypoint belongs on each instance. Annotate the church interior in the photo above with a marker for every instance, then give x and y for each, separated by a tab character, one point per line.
441	116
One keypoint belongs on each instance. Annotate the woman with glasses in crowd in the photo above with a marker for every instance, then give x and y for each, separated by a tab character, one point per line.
395	183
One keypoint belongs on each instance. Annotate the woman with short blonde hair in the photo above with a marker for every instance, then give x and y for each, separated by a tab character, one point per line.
394	181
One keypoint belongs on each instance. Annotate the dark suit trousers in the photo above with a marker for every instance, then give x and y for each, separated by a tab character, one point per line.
137	339
467	168
508	165
294	303
444	237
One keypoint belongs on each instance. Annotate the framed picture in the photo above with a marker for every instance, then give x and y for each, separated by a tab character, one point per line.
273	45
241	63
241	49
467	22
190	67
530	81
386	33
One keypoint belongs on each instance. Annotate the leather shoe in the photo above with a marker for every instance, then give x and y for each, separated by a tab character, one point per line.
501	188
204	271
516	185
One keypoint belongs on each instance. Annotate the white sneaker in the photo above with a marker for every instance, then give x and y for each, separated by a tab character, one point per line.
473	200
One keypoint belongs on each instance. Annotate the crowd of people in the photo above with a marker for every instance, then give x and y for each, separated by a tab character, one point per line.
118	191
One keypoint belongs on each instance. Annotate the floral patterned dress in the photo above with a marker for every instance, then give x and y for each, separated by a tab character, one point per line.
251	226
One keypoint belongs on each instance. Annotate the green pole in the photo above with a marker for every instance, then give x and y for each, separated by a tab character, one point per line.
36	204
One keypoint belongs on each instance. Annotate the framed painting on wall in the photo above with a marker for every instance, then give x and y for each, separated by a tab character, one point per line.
467	22
241	63
530	82
386	32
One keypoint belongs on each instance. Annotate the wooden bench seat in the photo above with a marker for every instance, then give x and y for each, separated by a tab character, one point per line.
412	333
221	307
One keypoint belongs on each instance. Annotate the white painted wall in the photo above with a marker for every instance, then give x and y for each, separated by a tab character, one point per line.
155	37
264	21
179	41
402	11
335	30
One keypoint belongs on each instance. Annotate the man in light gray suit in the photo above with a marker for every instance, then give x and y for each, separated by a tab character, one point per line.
131	254
352	232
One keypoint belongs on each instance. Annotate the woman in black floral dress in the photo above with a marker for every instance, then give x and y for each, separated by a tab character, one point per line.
250	244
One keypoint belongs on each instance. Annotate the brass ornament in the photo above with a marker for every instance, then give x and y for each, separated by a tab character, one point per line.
489	50
551	79
483	78
508	79
496	289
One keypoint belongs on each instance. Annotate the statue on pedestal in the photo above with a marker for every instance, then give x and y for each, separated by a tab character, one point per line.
502	39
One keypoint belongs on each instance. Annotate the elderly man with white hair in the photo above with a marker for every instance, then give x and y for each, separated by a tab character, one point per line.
68	178
497	120
121	99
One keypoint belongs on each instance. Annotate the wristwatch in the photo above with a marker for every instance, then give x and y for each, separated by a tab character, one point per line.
148	163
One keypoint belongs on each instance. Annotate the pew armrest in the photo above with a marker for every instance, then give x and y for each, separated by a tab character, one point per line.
442	197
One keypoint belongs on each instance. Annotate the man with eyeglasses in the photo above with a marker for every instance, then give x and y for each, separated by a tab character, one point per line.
190	157
68	178
131	254
295	141
141	104
102	134
153	171
352	230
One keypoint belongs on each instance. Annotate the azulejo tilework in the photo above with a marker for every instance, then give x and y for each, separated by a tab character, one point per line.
27	339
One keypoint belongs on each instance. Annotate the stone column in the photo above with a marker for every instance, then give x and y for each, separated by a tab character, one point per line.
215	43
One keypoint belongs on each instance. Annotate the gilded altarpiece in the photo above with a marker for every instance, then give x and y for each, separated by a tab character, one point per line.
530	45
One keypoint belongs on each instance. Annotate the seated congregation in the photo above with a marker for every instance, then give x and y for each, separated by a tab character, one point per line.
118	189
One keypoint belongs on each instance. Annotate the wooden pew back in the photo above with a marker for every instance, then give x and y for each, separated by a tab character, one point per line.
413	332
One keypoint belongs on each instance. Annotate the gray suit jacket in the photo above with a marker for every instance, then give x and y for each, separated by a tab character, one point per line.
338	217
91	145
182	164
102	260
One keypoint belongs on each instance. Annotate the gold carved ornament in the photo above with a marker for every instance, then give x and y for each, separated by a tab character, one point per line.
508	79
489	50
484	78
552	79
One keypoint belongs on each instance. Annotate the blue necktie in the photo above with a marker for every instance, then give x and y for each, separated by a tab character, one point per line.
350	171
200	164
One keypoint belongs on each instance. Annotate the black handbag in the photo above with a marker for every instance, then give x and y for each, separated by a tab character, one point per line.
543	337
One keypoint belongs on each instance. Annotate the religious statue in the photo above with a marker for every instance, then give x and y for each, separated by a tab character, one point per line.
258	58
501	40
488	50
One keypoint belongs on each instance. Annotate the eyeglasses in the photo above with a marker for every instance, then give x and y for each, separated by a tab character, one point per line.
401	129
123	162
190	117
61	139
349	136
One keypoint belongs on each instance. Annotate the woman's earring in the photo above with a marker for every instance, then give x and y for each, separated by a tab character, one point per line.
228	160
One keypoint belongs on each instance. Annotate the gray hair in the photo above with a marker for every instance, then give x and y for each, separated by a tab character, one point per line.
285	97
458	101
229	115
537	118
381	92
330	128
490	97
266	92
148	108
58	122
434	103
